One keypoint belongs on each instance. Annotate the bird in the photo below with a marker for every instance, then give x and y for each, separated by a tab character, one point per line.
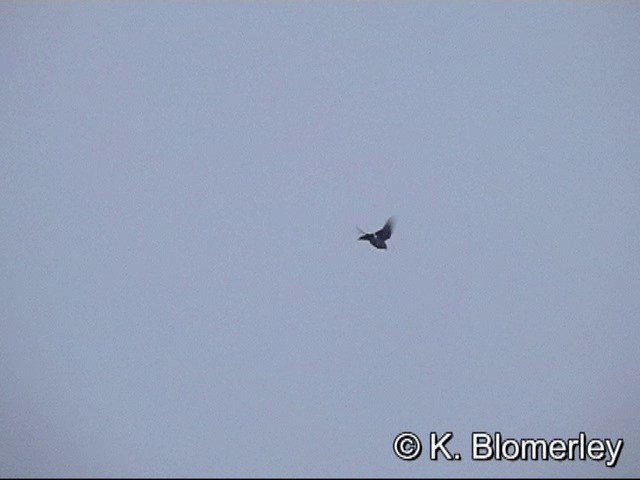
379	238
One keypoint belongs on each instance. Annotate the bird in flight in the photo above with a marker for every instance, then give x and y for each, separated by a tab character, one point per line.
379	238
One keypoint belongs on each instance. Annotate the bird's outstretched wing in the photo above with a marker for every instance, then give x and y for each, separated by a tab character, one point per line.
385	232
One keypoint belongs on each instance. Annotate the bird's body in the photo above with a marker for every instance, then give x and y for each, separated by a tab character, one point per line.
379	238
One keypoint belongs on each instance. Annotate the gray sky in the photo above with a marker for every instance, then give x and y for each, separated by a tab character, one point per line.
182	289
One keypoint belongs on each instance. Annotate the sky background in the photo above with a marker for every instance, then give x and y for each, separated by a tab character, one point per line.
181	289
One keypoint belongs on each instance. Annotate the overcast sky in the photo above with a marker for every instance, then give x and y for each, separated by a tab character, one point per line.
182	291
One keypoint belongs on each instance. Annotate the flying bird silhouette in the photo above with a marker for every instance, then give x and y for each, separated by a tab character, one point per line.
379	238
